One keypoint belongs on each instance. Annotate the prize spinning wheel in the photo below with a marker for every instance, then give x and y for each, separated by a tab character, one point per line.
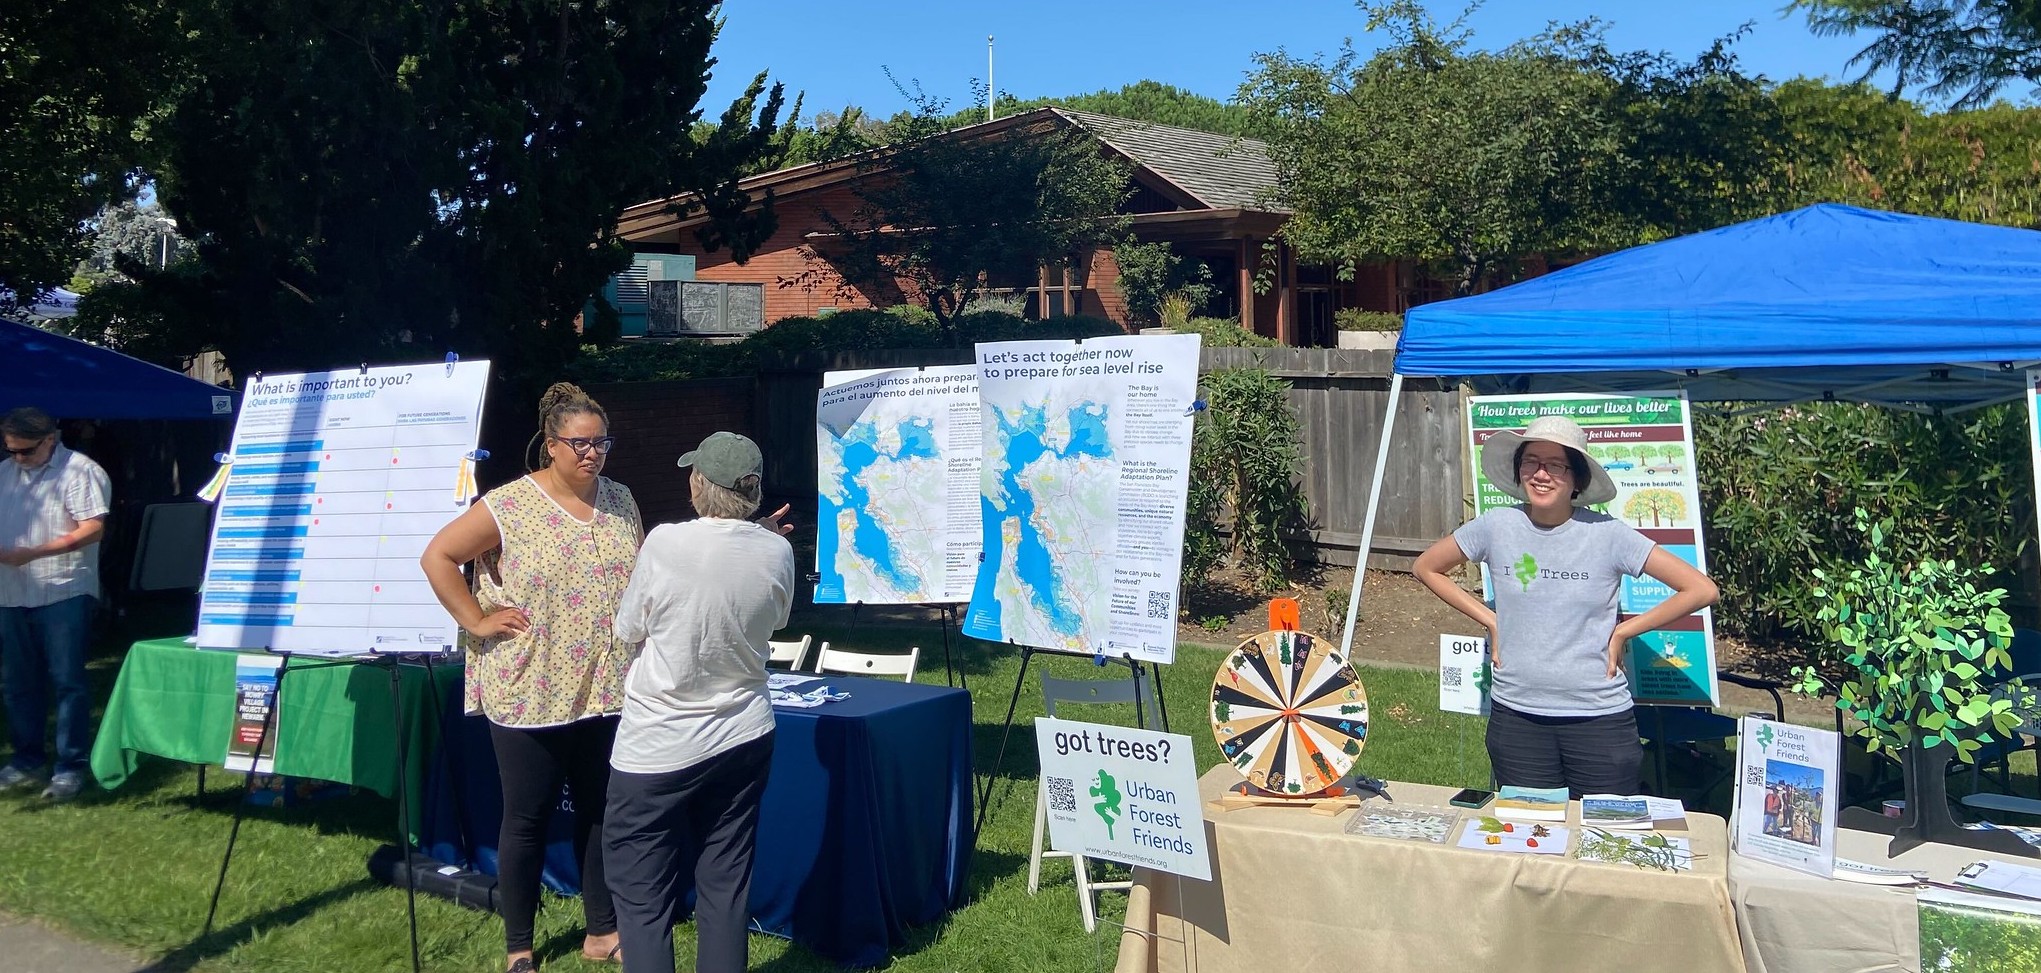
1289	713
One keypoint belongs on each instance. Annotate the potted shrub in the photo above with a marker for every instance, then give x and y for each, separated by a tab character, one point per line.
1370	330
1916	644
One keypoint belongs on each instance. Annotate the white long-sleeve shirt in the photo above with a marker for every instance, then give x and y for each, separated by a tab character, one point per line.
704	597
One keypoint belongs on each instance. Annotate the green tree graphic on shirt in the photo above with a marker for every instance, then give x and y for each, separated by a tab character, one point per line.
1107	791
1526	568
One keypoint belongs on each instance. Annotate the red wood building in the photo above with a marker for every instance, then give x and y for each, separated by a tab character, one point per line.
1204	194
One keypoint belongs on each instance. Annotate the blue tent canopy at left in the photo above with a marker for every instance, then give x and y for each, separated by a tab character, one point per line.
70	379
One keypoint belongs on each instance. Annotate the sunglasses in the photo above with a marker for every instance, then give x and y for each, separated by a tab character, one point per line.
579	446
31	450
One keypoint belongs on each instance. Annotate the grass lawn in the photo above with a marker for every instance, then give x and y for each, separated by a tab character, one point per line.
135	867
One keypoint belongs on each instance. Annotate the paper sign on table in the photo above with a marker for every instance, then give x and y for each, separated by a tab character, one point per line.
255	719
1786	795
1123	794
1463	675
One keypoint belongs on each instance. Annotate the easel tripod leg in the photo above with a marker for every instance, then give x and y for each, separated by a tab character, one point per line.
248	789
992	773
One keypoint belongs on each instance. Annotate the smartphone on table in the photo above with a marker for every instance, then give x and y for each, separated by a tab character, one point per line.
1471	797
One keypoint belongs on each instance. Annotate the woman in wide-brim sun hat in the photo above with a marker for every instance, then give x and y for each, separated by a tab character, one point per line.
1561	713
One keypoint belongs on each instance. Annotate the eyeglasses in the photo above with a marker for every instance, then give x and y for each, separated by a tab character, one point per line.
11	451
1556	468
601	445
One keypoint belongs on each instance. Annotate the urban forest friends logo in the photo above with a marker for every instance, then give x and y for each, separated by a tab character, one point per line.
1764	736
1107	791
1525	569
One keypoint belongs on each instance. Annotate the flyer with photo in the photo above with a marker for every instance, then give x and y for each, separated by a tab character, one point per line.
1786	795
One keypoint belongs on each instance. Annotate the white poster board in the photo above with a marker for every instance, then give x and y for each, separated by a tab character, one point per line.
1463	675
1087	450
335	483
1786	783
2034	429
1123	794
897	480
1645	441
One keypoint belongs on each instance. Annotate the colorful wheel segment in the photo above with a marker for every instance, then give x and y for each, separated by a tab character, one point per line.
1289	712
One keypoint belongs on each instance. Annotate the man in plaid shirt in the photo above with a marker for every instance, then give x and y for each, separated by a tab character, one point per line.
53	507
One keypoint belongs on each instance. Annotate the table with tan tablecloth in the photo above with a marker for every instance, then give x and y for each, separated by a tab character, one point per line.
1291	891
1793	922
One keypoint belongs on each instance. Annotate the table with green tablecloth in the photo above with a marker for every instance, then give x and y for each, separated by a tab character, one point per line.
176	700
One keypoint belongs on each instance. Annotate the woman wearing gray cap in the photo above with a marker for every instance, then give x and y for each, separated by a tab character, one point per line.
695	746
1561	714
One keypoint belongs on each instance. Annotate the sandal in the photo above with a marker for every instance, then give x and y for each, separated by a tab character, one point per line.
523	964
615	955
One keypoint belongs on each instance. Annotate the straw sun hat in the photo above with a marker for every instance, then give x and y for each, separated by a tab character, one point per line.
1498	459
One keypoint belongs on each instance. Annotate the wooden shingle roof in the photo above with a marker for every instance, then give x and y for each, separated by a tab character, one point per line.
1221	171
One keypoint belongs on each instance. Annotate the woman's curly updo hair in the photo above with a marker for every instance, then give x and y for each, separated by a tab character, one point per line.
563	401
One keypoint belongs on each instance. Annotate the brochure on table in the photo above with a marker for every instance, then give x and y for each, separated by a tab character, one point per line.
335	482
897	458
1087	449
1786	795
1123	794
1646	443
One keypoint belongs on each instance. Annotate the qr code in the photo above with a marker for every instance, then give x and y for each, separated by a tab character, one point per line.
1452	677
1158	604
1062	794
1754	776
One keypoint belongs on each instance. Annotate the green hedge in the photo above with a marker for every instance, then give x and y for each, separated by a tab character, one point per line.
860	330
1224	333
1355	319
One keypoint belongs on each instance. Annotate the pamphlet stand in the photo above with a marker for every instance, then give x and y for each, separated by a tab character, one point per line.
389	664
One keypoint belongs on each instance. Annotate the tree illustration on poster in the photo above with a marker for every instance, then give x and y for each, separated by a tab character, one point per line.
1662	507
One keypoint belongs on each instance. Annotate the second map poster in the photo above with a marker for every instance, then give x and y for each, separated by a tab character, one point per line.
1087	450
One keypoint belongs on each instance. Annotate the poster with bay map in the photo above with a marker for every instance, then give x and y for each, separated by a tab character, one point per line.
897	483
1086	452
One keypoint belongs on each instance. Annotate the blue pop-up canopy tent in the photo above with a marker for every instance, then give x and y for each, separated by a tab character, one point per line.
1826	302
70	379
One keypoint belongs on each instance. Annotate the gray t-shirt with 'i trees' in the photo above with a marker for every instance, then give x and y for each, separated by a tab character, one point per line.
1555	604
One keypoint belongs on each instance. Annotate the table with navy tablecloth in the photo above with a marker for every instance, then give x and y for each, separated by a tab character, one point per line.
864	829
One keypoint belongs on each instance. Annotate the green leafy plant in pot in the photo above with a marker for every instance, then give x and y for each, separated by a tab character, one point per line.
1915	643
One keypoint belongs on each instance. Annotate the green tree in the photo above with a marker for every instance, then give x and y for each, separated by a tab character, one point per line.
387	180
1471	160
1854	145
77	78
1151	272
936	213
1965	50
1673	453
1148	101
126	238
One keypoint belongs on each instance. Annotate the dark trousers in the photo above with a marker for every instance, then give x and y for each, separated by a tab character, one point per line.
1584	754
42	654
532	764
698	823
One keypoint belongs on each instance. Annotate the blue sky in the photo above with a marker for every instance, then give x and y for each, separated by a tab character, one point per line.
834	51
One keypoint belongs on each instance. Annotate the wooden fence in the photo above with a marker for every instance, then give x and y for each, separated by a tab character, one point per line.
1339	397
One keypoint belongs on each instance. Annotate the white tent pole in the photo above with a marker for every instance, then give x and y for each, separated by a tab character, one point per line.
1353	598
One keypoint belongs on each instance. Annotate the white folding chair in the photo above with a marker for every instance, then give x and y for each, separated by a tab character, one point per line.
788	655
1088	691
867	663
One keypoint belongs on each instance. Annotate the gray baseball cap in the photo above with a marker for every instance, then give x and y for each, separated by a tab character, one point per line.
725	458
